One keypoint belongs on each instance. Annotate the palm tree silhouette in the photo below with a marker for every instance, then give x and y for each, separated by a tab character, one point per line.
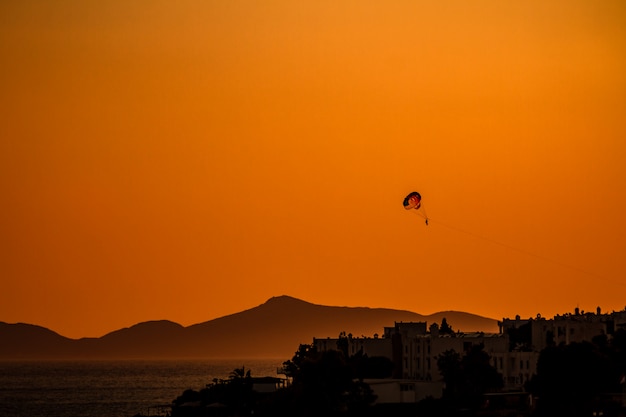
239	374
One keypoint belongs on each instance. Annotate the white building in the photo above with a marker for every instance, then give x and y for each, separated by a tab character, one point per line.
514	351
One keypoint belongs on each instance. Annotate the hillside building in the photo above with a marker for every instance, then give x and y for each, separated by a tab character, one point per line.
414	348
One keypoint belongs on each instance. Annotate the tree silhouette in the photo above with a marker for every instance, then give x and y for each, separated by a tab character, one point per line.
468	377
449	365
445	328
364	366
304	352
571	378
239	374
234	396
324	384
343	342
520	338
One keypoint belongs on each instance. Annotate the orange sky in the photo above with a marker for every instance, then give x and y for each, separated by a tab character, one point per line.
187	160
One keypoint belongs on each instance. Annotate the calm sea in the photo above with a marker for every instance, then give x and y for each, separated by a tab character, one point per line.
109	388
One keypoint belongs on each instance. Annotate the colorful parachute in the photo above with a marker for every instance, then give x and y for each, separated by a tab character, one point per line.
413	201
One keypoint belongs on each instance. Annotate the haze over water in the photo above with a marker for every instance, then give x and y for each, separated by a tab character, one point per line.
108	388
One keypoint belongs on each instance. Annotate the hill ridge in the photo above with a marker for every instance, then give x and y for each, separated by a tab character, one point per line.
272	329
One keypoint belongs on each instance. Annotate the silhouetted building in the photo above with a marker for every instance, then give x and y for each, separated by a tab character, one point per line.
535	334
514	351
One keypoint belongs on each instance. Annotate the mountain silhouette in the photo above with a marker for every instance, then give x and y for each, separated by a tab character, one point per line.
273	329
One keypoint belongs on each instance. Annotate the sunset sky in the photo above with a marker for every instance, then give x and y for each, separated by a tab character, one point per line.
190	159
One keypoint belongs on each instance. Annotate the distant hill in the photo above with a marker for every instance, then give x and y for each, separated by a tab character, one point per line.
273	329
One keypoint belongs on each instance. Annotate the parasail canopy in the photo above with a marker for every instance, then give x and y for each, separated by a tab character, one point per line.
412	201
